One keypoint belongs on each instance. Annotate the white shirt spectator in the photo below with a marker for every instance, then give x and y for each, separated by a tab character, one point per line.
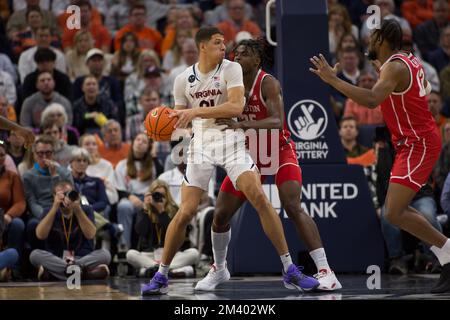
7	66
7	87
127	184
105	171
173	74
27	64
174	178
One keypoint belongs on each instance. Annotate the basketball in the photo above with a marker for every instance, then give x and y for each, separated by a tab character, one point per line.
158	124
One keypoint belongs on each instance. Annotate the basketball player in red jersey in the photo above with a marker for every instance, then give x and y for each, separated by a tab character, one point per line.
402	91
264	110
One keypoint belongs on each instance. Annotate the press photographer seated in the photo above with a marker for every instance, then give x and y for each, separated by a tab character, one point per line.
68	230
151	225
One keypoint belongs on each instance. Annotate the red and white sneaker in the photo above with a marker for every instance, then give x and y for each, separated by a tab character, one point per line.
327	280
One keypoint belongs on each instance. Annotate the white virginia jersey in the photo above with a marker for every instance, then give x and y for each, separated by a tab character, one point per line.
195	89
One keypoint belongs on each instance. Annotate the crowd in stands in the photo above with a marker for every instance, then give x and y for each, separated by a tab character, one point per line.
86	91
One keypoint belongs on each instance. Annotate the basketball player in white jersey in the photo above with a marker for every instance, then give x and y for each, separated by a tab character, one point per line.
214	88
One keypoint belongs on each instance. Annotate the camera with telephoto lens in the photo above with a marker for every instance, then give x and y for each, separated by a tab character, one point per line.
157	196
72	195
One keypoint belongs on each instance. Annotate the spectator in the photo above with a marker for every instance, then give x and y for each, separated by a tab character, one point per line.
68	229
149	38
151	226
34	105
99	167
16	148
435	105
62	151
134	83
113	149
56	113
99	33
440	57
173	57
7	110
417	11
27	162
12	205
339	24
184	21
349	71
427	34
189	55
238	21
8	258
355	152
108	85
347	40
7	87
126	58
387	9
18	21
92	110
445	197
27	62
7	66
59	8
92	192
45	60
133	177
221	13
26	38
148	100
446	136
76	56
364	116
39	181
442	167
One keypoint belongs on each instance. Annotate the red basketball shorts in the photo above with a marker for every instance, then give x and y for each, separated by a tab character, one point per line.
414	162
288	170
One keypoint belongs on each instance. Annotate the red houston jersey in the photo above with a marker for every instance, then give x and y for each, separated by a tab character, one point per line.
406	113
256	109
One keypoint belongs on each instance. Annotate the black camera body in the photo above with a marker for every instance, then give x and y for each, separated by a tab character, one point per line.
157	196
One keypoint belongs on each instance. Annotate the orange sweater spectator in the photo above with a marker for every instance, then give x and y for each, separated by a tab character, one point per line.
12	197
362	114
435	104
96	19
417	11
100	34
149	38
7	110
184	21
113	148
237	22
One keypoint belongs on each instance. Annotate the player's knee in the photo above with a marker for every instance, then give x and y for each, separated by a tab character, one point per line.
293	209
221	218
185	214
258	199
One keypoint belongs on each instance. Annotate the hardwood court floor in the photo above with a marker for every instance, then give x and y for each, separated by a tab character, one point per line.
238	288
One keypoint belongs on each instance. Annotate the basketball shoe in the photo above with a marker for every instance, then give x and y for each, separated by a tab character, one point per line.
213	279
158	285
293	278
327	280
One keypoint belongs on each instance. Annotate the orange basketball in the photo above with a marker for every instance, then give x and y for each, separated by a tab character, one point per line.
158	124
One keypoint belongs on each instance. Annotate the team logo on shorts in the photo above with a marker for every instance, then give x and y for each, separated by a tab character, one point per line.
191	78
307	119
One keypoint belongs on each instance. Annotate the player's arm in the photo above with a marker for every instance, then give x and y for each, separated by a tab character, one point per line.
271	92
27	134
371	98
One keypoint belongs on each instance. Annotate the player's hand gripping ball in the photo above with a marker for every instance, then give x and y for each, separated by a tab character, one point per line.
158	124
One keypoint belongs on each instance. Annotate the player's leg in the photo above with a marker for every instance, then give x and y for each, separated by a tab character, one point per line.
228	202
250	184
288	180
175	236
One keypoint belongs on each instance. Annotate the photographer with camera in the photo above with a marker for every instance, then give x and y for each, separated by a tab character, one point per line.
151	226
68	230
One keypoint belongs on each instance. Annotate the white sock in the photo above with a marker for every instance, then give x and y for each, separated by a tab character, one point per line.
286	260
442	254
220	248
163	269
320	259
